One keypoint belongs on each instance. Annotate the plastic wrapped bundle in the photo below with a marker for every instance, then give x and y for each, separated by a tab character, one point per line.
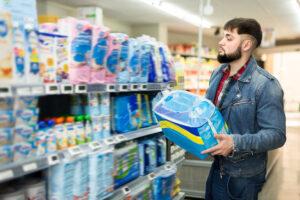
190	121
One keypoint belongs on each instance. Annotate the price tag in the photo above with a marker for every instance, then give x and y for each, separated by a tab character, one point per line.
134	87
74	151
95	146
7	174
66	89
80	89
151	176
37	90
29	167
5	91
53	159
126	190
167	167
109	141
123	87
143	87
120	138
23	91
110	88
52	89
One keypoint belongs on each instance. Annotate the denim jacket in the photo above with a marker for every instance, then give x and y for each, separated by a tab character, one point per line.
253	110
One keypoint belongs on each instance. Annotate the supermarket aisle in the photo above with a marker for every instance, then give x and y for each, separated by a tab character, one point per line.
284	181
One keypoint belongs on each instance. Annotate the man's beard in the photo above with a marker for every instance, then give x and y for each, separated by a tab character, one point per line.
227	58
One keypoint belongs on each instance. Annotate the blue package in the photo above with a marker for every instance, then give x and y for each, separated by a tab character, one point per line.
6	118
81	46
146	118
92	106
190	121
104	98
125	113
123	71
81	178
151	75
25	102
163	184
97	128
145	54
100	49
148	156
126	165
164	64
6	103
23	151
161	151
134	61
27	117
6	136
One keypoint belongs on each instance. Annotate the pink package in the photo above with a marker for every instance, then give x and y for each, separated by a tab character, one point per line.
99	53
79	47
112	59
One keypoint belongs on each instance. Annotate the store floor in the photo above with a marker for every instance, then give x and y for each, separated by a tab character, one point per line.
284	180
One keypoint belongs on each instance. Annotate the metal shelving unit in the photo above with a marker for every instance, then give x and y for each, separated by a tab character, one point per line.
51	89
18	169
179	196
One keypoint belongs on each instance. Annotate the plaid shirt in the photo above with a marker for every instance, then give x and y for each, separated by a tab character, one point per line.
223	87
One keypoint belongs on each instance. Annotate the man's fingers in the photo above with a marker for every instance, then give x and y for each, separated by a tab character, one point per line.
210	150
219	136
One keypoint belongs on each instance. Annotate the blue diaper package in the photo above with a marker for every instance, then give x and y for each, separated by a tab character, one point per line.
27	117
6	118
126	114
134	60
126	167
165	65
146	118
190	121
25	102
161	151
147	156
23	151
81	178
92	106
6	154
145	53
23	134
105	104
163	184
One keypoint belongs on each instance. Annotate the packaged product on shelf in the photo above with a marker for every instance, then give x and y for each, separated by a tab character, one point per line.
80	130
61	136
6	103
126	167
161	151
165	64
81	178
122	68
40	143
79	47
146	118
27	117
6	118
148	156
6	154
101	165
143	191
71	131
126	116
23	151
6	136
106	127
62	65
99	53
105	104
25	102
32	51
190	121
134	60
145	53
47	50
112	61
6	46
92	105
60	179
97	128
88	129
163	184
23	134
157	63
35	189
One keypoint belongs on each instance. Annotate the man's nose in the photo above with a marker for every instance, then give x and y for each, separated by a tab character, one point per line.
221	42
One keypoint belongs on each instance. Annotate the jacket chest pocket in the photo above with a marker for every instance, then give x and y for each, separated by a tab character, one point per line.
242	114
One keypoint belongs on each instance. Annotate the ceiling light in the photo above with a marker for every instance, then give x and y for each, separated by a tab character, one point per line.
178	12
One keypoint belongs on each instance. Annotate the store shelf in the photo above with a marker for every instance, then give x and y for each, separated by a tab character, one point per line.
50	89
179	196
124	191
18	169
198	163
15	170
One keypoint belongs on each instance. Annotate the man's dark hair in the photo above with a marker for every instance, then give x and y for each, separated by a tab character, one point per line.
245	26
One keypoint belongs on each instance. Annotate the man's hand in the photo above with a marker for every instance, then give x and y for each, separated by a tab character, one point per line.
224	147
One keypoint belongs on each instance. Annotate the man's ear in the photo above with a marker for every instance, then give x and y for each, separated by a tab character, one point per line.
247	45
